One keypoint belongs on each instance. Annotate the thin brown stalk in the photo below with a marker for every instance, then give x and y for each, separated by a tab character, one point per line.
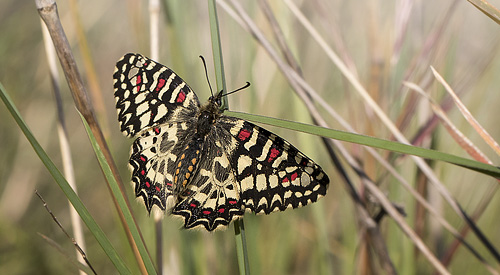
78	247
465	79
467	114
367	224
254	34
91	76
374	153
386	164
422	59
379	194
468	146
473	151
63	142
487	8
456	134
333	27
82	267
375	107
48	12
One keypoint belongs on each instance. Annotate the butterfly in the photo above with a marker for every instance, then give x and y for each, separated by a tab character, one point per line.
194	162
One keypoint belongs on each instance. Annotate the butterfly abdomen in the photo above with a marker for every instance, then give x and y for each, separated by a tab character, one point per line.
186	165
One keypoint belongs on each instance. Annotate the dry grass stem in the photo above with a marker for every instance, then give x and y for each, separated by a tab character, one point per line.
467	115
63	142
456	134
154	24
487	8
374	106
78	247
48	13
473	151
379	195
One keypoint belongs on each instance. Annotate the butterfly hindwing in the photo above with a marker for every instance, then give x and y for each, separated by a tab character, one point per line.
153	162
272	174
212	199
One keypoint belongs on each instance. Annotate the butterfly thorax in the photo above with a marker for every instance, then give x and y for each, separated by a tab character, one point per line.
209	113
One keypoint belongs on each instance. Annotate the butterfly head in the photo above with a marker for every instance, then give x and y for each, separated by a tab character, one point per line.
217	99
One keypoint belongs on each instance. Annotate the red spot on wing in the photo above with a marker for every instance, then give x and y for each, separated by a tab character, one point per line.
243	134
192	205
147	184
161	83
142	158
293	176
181	96
138	82
285	179
274	153
206	212
157	130
157	188
221	210
232	202
169	183
143	172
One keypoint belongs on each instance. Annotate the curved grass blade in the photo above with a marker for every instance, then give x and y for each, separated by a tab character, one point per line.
373	142
66	188
487	8
120	200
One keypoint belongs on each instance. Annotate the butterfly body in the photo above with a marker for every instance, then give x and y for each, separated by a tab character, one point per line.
199	164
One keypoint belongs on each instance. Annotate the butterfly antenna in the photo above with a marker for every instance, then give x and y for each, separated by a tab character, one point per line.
206	74
239	89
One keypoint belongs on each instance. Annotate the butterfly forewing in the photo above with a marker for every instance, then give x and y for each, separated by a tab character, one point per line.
199	164
148	94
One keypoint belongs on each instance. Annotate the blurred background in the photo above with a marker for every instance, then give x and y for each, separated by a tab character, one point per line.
383	44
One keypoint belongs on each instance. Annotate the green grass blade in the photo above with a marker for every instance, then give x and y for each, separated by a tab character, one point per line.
239	231
373	142
66	188
121	201
217	51
241	247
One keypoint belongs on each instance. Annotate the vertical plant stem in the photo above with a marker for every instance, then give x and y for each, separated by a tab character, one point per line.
154	19
65	187
239	229
64	142
47	10
241	247
217	51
